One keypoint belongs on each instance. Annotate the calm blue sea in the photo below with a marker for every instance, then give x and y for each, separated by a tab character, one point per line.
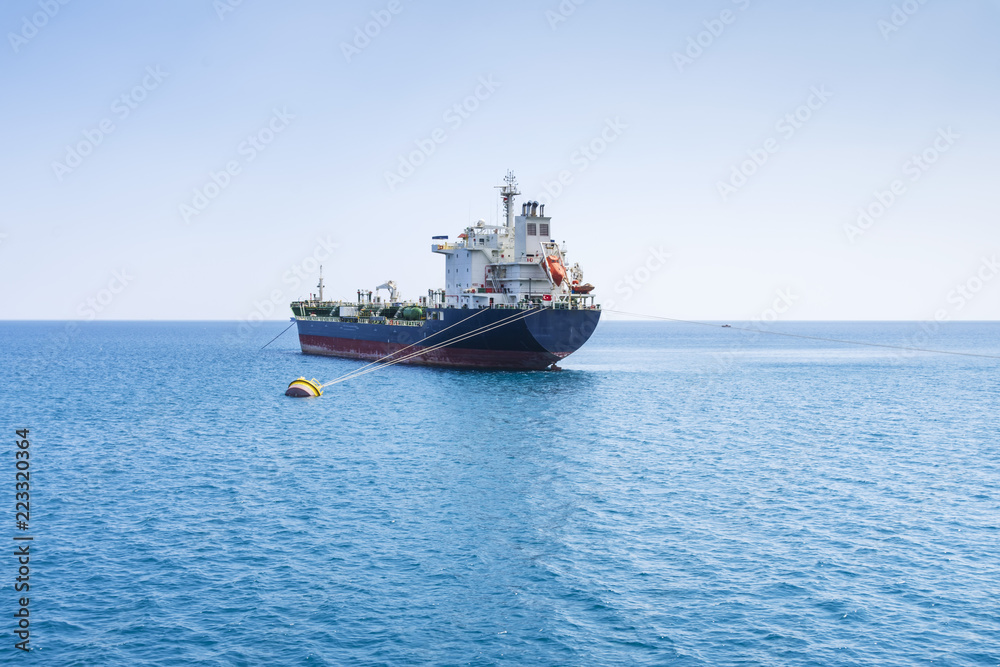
678	495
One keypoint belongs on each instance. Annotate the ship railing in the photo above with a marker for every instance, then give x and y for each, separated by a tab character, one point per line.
521	305
555	305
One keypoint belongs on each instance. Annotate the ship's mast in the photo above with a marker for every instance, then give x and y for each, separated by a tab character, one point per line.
320	285
508	191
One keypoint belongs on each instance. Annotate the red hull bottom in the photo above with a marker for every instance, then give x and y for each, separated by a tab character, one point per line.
445	356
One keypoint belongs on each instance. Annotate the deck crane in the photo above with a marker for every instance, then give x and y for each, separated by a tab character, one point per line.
393	292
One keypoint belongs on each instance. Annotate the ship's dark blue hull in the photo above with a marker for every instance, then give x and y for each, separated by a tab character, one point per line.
502	338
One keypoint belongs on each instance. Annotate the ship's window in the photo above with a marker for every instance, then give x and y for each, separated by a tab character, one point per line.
543	229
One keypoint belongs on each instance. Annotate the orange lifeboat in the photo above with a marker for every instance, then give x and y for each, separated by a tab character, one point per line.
556	269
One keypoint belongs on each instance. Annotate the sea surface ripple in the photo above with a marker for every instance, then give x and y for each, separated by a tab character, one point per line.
677	495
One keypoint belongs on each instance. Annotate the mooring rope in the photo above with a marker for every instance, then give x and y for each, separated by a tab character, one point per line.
391	354
820	338
475	332
278	336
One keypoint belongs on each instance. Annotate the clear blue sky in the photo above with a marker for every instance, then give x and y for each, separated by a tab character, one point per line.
105	235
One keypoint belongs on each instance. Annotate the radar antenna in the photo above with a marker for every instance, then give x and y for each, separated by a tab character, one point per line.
507	192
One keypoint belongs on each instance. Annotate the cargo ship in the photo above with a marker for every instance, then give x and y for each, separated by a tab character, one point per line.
510	301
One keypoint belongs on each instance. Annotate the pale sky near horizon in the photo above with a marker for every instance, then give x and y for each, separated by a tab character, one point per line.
194	159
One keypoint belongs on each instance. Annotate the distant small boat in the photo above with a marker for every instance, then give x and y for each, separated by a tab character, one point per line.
726	326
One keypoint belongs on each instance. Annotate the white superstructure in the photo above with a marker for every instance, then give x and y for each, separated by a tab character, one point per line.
509	264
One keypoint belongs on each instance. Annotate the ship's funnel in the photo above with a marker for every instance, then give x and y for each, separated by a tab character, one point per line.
534	208
541	211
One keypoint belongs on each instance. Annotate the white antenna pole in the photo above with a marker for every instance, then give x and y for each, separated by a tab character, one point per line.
508	191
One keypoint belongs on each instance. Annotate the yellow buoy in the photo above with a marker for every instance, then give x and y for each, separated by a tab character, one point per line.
303	388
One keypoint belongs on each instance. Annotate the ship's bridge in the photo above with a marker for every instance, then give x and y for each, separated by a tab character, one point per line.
510	264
